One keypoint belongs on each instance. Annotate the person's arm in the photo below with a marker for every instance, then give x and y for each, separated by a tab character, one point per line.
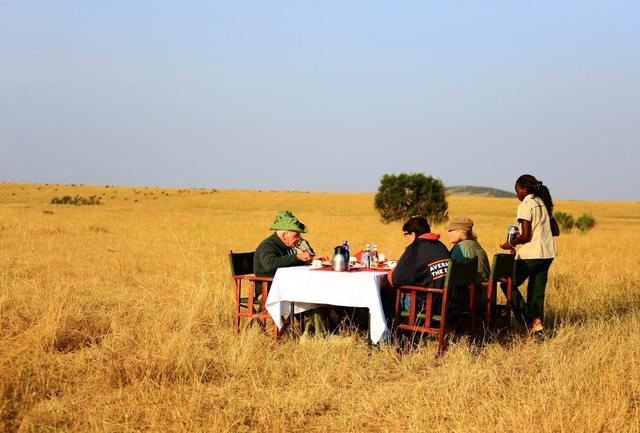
271	260
404	272
524	216
457	254
555	229
522	238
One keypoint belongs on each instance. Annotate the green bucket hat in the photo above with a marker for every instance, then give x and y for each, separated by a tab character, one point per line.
285	220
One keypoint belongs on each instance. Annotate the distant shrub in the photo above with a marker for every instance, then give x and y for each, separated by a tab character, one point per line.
565	220
77	200
585	222
98	229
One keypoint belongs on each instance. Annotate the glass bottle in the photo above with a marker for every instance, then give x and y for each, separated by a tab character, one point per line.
374	255
347	253
366	257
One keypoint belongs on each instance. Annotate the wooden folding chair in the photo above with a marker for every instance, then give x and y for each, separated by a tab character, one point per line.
248	307
458	275
502	270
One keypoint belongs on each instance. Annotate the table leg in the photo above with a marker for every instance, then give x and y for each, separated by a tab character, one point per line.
369	343
292	307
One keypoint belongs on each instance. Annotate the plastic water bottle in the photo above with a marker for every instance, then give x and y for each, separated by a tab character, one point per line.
374	255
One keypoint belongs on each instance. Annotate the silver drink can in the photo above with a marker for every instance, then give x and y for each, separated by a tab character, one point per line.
513	233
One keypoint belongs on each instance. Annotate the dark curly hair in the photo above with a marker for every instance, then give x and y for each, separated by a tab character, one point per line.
538	189
417	225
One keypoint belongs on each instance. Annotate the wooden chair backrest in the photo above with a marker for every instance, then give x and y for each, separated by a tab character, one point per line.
241	263
460	274
502	266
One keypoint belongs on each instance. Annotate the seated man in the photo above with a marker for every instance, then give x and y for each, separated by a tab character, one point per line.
284	248
278	250
424	263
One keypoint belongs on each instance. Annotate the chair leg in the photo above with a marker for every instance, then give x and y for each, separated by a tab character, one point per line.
442	337
237	323
443	342
487	310
472	308
396	316
509	303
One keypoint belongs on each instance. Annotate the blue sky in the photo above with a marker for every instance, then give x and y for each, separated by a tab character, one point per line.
322	96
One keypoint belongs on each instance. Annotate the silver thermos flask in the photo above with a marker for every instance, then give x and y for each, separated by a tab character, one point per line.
513	233
339	262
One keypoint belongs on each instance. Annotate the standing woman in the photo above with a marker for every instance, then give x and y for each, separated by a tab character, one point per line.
536	252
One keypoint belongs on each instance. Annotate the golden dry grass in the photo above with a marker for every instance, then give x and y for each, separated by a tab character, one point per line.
118	318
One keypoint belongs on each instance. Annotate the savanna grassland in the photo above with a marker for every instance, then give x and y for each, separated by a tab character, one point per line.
118	317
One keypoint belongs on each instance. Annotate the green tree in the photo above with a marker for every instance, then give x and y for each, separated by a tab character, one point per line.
403	196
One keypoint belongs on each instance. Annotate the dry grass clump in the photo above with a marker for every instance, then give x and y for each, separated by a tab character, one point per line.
118	318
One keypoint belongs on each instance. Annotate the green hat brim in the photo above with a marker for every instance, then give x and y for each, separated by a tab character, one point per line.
286	225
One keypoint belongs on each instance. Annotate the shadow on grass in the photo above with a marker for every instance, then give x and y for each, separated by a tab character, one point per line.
556	319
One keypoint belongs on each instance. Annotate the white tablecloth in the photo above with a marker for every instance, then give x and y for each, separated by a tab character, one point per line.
309	288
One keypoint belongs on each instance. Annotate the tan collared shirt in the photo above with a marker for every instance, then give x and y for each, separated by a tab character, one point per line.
542	244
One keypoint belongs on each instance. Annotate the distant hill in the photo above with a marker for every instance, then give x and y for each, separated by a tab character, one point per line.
483	191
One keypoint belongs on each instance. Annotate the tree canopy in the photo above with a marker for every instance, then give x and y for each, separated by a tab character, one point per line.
403	196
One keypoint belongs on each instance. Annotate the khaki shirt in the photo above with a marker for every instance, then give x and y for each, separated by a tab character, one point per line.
542	244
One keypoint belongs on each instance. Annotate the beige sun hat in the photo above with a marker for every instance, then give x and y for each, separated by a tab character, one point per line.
460	223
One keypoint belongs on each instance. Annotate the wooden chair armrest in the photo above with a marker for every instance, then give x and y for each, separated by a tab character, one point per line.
419	289
254	278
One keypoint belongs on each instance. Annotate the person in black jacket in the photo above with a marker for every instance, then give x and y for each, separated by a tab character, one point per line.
424	263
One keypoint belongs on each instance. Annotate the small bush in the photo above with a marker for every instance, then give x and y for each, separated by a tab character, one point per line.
77	200
565	220
585	222
98	229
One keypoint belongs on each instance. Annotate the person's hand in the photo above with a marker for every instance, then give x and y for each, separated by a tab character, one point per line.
304	256
507	246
